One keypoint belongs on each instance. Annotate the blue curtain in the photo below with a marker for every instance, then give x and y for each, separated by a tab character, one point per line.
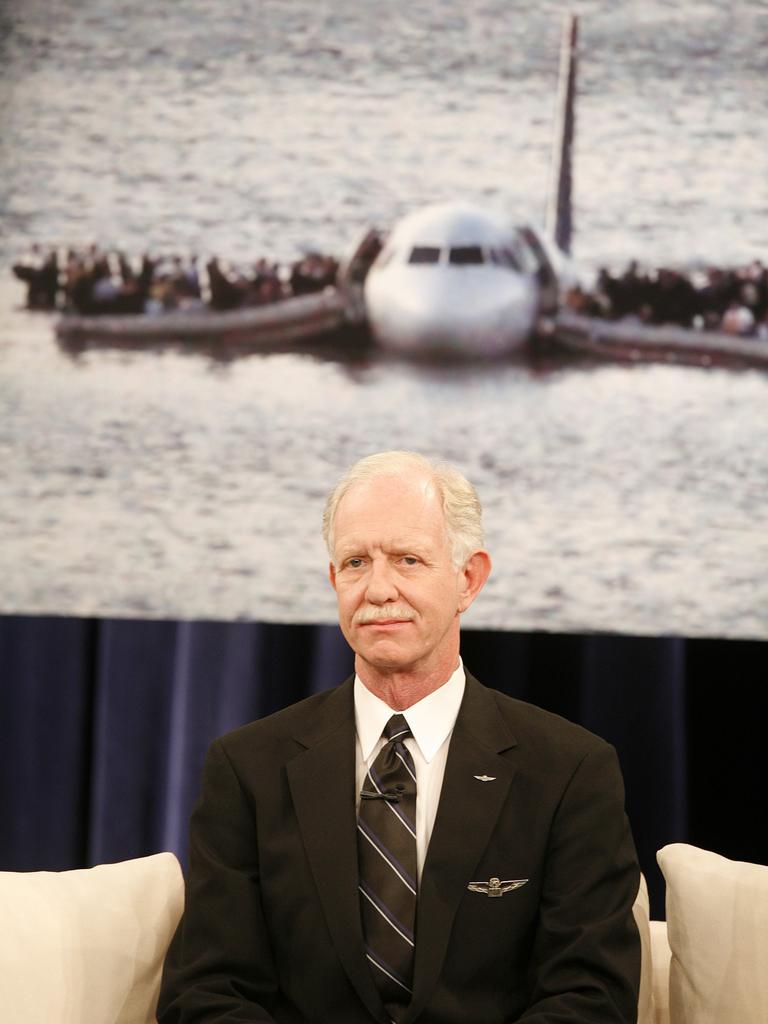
104	725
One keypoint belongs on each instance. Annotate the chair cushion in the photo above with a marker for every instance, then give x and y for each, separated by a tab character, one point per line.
717	923
87	947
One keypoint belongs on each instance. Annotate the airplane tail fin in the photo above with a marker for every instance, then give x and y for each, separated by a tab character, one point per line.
558	220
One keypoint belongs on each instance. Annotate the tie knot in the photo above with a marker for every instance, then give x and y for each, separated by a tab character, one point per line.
397	728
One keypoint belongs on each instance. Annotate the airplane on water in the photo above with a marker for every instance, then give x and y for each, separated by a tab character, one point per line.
460	278
452	279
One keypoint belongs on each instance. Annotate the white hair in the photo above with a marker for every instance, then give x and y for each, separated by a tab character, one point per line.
462	511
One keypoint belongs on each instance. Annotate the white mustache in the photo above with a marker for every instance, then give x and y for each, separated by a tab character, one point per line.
381	613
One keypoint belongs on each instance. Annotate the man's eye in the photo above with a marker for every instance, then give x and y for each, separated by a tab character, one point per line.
354	563
410	560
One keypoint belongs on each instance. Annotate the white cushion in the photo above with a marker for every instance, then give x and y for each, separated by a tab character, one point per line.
87	947
717	923
641	910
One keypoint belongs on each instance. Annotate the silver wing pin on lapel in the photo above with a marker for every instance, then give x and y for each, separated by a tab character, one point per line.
495	886
485	778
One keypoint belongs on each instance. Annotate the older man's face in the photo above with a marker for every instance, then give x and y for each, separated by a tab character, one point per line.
399	595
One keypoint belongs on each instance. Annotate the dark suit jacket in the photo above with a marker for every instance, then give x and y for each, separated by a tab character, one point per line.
272	932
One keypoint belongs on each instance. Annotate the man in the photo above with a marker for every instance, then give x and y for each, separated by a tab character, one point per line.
472	865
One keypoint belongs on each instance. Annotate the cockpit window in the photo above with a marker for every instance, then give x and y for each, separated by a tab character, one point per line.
463	255
424	254
506	257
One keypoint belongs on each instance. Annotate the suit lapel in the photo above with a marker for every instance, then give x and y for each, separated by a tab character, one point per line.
322	783
466	817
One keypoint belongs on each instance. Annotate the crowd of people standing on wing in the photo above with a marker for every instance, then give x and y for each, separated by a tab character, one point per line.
733	301
94	281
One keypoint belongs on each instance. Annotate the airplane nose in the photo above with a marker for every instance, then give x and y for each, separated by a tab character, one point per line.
456	313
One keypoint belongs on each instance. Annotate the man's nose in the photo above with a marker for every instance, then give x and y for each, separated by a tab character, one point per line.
381	586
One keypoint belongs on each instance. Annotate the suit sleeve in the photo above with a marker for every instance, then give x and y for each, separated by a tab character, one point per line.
586	953
220	967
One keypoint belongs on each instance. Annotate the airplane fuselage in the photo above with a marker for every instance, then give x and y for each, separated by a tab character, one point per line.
454	278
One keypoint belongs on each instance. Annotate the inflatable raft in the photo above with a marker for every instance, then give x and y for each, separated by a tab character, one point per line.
278	323
631	341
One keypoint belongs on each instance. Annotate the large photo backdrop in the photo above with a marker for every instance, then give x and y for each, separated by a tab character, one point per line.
164	483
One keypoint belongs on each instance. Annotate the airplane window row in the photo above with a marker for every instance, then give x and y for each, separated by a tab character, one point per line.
465	255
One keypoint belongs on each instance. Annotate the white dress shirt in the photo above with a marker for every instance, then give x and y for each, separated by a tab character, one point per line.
431	721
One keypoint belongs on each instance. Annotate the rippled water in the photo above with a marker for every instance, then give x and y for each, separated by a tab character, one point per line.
145	483
261	126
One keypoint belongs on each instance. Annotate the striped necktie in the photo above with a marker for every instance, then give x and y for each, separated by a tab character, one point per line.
387	858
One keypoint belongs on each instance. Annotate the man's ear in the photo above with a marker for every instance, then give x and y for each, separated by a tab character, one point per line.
476	571
332	574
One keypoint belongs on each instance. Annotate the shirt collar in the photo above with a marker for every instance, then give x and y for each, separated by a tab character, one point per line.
430	720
